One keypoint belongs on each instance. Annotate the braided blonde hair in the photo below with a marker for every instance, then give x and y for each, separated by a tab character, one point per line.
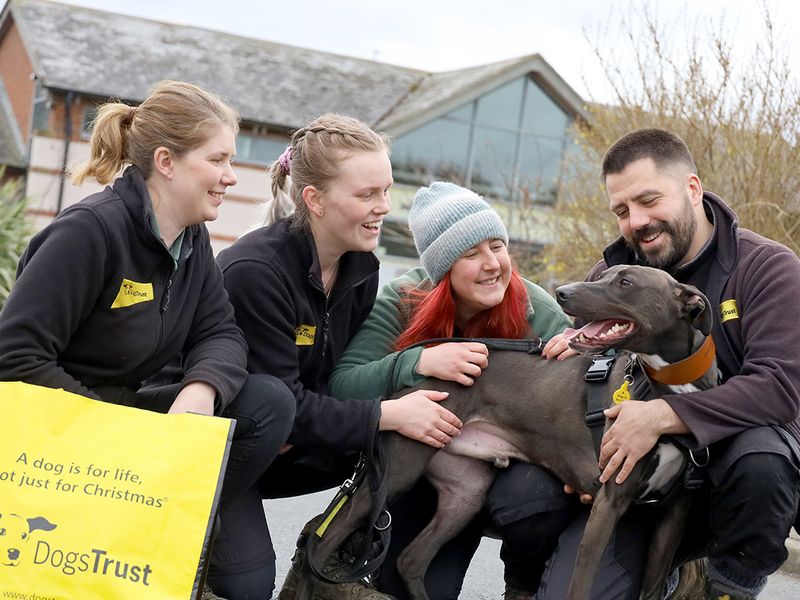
316	151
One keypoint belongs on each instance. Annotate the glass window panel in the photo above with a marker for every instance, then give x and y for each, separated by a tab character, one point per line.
540	164
41	114
437	149
493	160
463	113
87	122
251	148
542	115
501	107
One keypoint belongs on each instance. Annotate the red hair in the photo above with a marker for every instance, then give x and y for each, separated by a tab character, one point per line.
433	314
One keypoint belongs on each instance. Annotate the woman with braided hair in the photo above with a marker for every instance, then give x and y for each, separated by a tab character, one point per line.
301	286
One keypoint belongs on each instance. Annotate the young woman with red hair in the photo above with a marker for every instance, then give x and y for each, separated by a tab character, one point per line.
467	287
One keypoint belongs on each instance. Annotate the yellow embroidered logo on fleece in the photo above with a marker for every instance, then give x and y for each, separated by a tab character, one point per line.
304	335
728	310
133	292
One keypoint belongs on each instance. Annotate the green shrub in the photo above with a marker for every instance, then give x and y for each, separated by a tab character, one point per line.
15	229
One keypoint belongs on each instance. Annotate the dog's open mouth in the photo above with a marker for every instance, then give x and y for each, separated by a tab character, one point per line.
601	335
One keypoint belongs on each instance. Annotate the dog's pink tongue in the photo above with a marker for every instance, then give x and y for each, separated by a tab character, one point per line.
590	330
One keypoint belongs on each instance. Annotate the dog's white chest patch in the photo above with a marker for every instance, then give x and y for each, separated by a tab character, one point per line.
670	463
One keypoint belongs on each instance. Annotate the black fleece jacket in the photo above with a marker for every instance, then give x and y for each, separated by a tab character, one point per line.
99	303
756	344
297	334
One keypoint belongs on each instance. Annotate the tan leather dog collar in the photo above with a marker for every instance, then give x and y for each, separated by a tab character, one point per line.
687	370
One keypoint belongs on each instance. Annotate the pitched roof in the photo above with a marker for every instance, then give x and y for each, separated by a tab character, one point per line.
111	55
438	93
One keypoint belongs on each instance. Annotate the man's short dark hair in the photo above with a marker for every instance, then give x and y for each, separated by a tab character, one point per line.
662	146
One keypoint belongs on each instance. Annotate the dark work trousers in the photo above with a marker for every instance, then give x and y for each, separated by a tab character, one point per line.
740	519
526	508
242	560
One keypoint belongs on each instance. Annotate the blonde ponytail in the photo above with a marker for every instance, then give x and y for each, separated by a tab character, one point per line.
178	116
107	144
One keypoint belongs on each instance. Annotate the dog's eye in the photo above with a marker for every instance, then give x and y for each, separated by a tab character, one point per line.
2	531
625	282
24	536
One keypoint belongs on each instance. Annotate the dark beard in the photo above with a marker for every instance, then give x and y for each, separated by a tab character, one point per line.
680	235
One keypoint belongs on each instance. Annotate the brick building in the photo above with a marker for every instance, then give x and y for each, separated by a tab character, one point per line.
501	128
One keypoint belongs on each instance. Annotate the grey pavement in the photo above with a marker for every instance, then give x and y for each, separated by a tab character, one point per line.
485	576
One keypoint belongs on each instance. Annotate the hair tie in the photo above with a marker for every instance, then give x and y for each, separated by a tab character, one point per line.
131	114
285	160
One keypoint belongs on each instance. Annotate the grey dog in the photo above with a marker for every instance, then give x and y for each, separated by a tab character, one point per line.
533	410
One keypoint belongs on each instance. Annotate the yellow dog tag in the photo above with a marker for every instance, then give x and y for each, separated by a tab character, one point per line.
622	393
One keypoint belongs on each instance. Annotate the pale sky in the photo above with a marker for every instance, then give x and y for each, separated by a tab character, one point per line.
441	35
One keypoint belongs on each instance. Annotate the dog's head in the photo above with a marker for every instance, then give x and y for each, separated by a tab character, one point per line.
639	309
15	531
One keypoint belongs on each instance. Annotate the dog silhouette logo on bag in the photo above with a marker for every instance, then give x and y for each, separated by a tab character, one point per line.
17	545
15	535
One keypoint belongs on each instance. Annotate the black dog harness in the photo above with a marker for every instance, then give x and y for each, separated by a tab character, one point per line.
636	384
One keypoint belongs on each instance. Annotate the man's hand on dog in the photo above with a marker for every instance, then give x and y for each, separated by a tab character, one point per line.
461	362
636	429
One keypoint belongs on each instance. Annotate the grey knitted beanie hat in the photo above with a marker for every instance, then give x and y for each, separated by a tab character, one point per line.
446	220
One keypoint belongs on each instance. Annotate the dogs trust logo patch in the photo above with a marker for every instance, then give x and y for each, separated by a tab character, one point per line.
133	292
15	535
728	310
304	335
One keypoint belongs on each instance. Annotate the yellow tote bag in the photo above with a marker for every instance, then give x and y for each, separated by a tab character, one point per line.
100	501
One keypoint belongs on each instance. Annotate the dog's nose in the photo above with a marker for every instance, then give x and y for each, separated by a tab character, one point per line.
13	553
564	293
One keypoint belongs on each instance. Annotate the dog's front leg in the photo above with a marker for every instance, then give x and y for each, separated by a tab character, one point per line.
664	543
461	483
610	504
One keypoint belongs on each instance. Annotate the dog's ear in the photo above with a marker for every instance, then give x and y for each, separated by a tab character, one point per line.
40	523
697	308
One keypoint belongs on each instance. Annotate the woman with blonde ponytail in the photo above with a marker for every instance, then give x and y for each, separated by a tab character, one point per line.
301	287
123	281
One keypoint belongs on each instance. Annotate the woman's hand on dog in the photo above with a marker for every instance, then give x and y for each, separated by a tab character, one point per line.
419	416
461	362
558	346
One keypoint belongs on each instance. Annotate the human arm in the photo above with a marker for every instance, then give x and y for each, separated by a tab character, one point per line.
269	305
370	367
59	280
766	389
214	353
